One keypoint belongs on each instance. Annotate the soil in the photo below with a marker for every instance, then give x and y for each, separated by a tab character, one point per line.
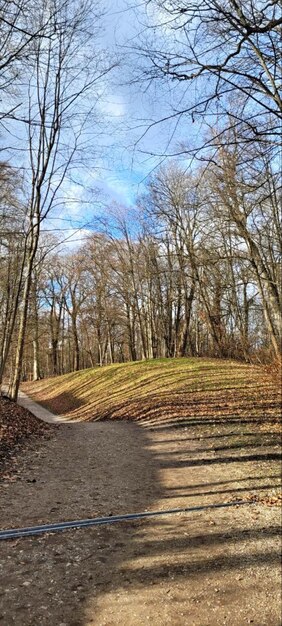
203	568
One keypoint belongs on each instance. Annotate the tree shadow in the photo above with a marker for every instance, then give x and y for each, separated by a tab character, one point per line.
269	456
72	479
202	420
228	434
61	403
90	576
184	559
234	491
224	482
235	446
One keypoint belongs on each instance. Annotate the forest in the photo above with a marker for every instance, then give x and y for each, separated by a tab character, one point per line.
191	267
140	312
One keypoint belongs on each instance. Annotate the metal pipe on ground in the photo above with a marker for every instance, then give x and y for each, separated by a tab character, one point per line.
29	531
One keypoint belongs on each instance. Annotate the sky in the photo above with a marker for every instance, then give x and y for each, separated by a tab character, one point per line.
118	172
128	144
135	124
134	129
131	146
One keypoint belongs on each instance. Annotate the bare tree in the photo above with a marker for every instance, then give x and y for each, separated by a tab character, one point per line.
74	298
60	78
19	29
12	217
221	60
246	196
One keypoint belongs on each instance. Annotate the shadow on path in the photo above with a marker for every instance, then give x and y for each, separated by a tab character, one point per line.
201	569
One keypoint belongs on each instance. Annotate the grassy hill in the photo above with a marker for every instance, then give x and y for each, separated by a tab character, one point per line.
163	390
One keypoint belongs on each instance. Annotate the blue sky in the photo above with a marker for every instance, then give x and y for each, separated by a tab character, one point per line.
132	142
127	141
126	152
116	174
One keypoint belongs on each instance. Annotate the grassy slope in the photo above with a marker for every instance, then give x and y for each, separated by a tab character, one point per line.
163	389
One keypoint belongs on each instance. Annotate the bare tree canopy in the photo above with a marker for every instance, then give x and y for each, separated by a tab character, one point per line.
192	266
228	54
56	94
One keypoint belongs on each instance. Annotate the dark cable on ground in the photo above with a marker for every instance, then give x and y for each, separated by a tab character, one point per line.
29	531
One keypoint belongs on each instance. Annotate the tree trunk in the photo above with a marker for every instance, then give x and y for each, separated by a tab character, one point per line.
14	389
36	351
76	360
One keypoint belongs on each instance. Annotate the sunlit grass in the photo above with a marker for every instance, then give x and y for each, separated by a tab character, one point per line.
160	389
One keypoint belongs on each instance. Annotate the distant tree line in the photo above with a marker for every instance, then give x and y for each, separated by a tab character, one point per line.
192	270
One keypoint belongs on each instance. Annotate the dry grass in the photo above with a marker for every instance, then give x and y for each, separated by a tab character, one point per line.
164	391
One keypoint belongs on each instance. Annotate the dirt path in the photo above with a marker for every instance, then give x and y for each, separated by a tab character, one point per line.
195	569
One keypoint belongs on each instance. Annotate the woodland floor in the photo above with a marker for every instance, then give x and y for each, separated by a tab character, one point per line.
204	568
19	430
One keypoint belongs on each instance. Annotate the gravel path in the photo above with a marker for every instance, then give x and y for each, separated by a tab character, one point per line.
195	569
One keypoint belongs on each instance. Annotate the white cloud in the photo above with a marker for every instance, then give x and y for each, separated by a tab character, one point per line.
113	108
